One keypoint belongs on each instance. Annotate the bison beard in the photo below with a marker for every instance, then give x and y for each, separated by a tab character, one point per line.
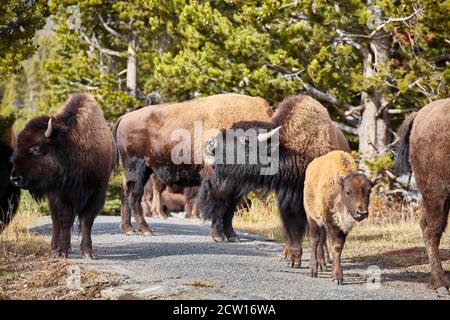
306	133
68	158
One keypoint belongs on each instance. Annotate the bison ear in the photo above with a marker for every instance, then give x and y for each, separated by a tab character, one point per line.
340	179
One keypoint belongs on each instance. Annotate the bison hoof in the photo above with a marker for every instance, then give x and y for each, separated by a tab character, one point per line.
217	237
88	256
234	239
130	232
295	264
56	253
339	282
442	292
314	274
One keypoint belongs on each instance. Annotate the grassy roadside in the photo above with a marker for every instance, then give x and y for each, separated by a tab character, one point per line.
390	238
28	271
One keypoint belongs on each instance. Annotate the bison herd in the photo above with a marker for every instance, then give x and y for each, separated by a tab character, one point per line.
300	155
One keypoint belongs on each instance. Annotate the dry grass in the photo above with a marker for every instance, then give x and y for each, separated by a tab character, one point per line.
262	219
28	271
391	237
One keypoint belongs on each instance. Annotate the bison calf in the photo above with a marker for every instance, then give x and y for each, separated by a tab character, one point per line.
67	158
335	197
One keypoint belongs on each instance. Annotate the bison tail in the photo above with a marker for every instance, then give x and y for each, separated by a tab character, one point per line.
402	164
116	161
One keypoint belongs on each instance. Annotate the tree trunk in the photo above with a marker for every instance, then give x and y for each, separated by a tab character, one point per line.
131	65
373	131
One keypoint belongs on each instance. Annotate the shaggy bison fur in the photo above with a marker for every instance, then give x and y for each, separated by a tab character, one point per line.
67	158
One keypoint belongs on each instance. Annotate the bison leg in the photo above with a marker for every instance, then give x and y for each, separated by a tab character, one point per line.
87	218
55	228
125	213
433	223
158	187
322	251
66	220
86	221
228	223
136	175
62	221
293	216
337	241
315	232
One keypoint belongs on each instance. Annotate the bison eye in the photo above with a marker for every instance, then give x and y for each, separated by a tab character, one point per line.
347	193
36	151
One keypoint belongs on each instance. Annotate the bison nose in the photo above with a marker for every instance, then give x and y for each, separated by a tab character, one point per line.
17	180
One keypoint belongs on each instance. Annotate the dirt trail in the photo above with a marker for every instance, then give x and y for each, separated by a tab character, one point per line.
180	261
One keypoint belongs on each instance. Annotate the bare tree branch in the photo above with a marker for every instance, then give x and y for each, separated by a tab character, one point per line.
323	95
353	110
111	30
94	43
395	97
346	128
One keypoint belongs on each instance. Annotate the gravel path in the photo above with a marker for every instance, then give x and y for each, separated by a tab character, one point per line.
180	261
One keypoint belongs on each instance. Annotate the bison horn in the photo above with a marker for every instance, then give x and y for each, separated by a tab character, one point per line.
48	132
262	137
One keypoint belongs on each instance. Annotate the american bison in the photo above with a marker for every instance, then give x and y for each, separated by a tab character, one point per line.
336	196
9	193
167	199
67	158
424	149
147	138
305	132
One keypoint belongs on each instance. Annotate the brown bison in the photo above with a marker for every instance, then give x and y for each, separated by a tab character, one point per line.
147	138
68	158
167	199
424	148
9	193
305	132
336	196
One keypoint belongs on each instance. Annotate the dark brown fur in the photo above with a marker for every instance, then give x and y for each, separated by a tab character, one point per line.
9	193
71	167
425	145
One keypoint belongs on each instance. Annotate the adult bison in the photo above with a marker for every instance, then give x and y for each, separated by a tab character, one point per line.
424	149
148	140
299	131
9	193
68	158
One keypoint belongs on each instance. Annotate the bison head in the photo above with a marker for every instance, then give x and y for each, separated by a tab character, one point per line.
355	194
242	156
38	154
248	145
